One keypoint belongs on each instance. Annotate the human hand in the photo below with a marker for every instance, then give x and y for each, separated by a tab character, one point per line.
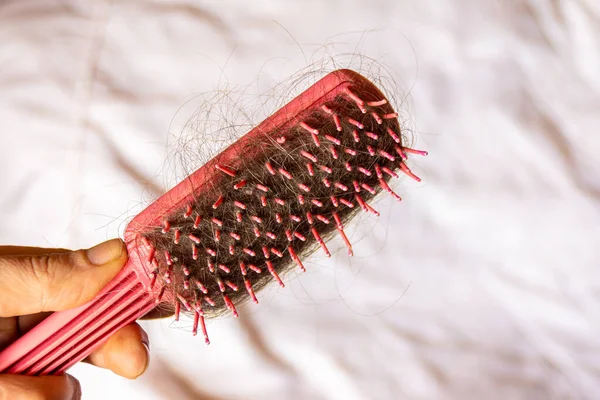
33	283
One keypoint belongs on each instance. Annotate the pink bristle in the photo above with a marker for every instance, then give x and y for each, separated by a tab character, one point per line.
274	273
210	301
413	151
177	310
341	186
359	102
240	184
276	252
322	218
347	203
315	139
151	254
368	188
243	269
224	268
309	156
377	118
230	306
333	140
408	172
326	169
184	302
153	280
309	128
255	268
372	135
334	152
320	241
262	187
387	155
201	287
356	123
197	221
300	236
270	168
377	103
393	135
194	238
285	173
225	170
334	201
250	290
295	258
340	228
365	206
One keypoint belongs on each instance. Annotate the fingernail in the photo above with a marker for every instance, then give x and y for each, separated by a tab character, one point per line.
147	346
105	252
74	388
146	343
145	340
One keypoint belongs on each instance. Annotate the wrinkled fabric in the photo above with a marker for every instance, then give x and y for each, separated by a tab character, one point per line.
484	283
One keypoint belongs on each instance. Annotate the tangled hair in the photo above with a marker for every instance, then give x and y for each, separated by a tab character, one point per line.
277	194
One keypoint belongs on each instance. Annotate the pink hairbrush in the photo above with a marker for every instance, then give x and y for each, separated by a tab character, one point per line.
240	221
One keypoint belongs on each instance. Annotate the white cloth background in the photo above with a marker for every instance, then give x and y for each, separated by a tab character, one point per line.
484	283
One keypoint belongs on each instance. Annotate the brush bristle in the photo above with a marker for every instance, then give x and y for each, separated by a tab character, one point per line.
289	192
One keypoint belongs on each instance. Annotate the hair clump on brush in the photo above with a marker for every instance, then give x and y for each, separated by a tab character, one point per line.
276	195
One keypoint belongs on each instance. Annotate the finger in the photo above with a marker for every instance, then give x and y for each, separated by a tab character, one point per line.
20	251
9	332
19	387
57	281
126	353
12	328
28	322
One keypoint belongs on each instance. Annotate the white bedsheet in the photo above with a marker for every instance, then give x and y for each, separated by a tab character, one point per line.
484	283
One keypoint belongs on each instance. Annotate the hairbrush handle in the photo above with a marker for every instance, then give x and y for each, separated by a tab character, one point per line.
67	337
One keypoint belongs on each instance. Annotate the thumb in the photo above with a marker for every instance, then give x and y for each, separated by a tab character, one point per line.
63	387
56	281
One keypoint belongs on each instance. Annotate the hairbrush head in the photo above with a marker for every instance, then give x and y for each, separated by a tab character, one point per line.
277	193
248	215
